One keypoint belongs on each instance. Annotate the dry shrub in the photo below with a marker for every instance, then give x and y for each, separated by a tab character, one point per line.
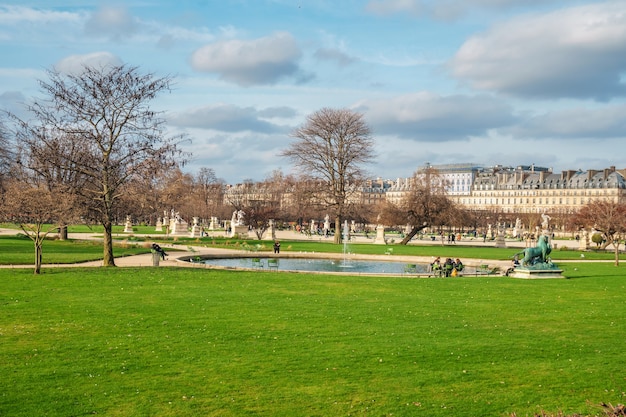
609	410
613	411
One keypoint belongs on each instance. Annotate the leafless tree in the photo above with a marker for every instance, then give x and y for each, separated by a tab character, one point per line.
42	163
105	114
258	215
425	205
7	156
608	218
37	209
331	147
208	193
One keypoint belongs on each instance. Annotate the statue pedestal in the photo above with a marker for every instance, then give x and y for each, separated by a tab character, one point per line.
159	226
500	242
178	228
270	233
240	231
536	273
583	244
195	231
128	227
380	235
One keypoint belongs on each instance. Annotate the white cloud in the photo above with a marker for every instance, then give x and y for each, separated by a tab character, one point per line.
261	61
113	22
227	118
577	52
239	156
334	55
603	122
75	64
427	117
444	9
19	15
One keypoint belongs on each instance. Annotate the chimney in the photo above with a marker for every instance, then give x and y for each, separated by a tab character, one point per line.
542	176
608	171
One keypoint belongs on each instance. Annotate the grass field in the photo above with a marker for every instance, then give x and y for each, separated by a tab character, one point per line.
188	342
21	251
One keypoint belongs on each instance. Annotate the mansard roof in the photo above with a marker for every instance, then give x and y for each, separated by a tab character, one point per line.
531	177
607	178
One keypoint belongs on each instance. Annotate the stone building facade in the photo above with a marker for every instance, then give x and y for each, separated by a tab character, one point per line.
529	189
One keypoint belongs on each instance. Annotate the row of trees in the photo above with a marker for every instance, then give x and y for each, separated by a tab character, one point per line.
94	151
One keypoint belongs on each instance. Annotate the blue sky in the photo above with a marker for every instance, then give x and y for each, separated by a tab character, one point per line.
512	82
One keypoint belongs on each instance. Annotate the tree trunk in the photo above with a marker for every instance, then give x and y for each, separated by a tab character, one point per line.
38	255
108	259
63	232
411	234
338	230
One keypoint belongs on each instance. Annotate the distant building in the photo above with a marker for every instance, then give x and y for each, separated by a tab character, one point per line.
530	189
521	189
458	177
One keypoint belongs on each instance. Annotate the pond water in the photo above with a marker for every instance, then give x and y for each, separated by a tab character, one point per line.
320	265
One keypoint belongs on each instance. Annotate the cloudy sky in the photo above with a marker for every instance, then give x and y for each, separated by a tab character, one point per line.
512	82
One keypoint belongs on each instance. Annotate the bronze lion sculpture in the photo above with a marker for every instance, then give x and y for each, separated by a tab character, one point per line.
538	254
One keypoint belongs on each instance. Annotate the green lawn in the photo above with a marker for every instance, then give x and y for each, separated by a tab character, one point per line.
95	228
191	342
21	251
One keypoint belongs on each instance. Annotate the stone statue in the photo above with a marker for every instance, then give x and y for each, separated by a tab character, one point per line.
517	228
545	221
240	215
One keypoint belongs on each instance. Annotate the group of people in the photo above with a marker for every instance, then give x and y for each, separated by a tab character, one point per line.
449	268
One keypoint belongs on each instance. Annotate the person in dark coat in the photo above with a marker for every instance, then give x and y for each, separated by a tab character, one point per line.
159	250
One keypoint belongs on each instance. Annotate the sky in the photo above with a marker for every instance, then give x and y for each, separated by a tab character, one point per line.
489	82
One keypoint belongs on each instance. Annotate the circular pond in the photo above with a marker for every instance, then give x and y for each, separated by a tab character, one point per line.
320	265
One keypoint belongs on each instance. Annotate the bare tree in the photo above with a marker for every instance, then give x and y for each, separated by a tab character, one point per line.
6	155
608	218
426	204
37	209
208	192
258	215
43	163
105	113
331	147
